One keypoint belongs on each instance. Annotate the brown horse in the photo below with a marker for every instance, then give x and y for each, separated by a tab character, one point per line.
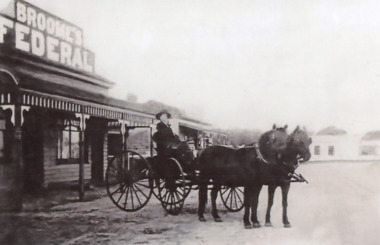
276	173
220	165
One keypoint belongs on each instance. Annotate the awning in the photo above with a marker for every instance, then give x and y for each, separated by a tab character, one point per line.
39	99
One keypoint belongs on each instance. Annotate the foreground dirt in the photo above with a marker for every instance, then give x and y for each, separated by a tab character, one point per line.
341	205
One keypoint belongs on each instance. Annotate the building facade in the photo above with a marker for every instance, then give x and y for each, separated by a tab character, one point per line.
344	147
57	123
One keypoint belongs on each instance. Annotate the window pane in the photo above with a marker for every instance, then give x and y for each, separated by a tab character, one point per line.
317	150
59	145
1	144
65	145
75	145
72	128
331	150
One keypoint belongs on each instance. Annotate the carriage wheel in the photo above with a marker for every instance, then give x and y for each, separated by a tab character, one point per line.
232	198
172	187
129	184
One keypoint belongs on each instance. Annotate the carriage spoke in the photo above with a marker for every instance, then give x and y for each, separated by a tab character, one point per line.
164	196
118	189
178	198
132	198
240	190
173	198
235	199
126	198
140	191
241	201
146	186
228	196
170	197
231	197
224	191
121	194
180	193
138	199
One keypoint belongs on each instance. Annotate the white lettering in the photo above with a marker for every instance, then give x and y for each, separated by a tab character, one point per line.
21	12
5	24
77	59
38	43
32	15
21	31
51	46
41	21
66	51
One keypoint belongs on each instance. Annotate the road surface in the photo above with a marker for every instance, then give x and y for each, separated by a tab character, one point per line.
341	205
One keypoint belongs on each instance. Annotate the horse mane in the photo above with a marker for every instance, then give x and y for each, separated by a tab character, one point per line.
266	149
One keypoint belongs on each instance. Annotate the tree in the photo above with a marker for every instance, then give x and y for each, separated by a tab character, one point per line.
131	97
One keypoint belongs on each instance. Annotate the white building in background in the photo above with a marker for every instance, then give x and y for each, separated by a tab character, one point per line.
340	146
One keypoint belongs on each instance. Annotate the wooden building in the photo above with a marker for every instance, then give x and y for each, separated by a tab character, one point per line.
57	123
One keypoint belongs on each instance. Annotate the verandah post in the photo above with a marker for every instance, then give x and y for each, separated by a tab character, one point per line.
82	117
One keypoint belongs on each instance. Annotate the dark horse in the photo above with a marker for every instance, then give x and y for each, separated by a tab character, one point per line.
276	173
220	165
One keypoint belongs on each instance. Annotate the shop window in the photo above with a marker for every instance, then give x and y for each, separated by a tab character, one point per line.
5	132
331	150
317	150
68	142
2	137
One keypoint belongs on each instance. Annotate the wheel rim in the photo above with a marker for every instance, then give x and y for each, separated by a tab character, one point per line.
173	188
129	185
232	198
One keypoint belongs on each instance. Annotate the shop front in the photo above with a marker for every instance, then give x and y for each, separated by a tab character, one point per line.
56	119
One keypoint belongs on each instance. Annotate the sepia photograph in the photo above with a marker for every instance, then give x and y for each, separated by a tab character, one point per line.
181	122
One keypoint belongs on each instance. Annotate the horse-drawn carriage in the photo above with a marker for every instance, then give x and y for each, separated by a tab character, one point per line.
132	179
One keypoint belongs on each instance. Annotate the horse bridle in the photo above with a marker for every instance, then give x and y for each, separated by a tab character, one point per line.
291	165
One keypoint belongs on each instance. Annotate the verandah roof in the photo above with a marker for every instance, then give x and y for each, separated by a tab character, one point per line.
46	86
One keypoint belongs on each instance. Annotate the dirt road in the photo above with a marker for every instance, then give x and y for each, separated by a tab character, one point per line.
341	205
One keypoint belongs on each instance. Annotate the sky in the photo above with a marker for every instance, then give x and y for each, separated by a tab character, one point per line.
240	64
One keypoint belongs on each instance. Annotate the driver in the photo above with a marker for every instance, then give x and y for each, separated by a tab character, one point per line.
165	139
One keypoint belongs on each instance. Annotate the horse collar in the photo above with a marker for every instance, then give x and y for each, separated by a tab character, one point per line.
260	156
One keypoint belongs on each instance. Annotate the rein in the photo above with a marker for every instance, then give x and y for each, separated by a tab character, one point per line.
294	177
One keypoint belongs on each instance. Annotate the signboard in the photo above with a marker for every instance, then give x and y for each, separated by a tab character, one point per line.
39	33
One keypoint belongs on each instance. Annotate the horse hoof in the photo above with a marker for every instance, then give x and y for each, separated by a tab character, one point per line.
247	226
268	224
287	225
256	225
217	219
202	219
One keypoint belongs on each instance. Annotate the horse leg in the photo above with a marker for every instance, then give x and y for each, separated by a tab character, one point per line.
271	190
247	206
255	203
285	190
202	200
214	195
